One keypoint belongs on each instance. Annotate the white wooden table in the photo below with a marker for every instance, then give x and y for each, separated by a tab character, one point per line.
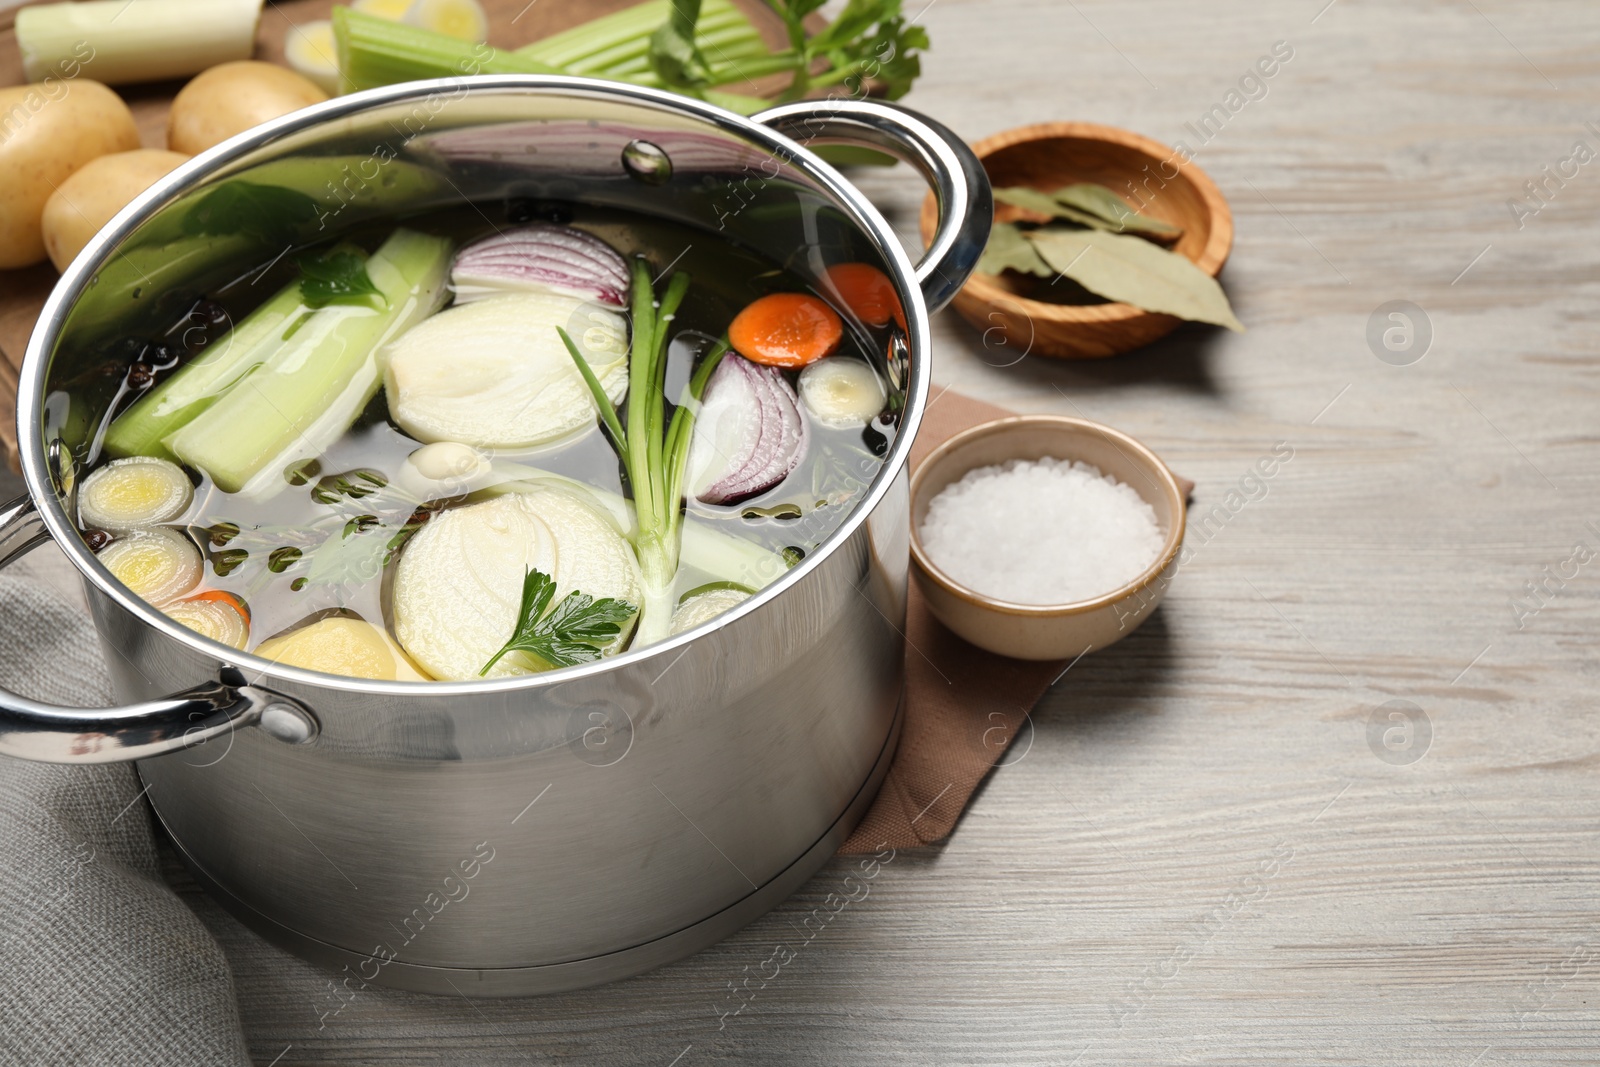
1207	854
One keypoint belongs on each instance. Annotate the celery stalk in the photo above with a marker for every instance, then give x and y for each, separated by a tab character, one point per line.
178	399
375	51
122	41
632	24
309	392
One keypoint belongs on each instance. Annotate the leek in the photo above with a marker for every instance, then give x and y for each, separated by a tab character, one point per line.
183	395
314	386
123	41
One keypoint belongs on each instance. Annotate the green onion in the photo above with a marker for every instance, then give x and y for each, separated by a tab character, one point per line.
654	451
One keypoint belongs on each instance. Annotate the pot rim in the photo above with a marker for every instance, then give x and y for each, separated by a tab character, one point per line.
74	281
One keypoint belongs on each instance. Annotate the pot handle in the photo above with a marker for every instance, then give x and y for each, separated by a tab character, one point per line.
34	731
960	186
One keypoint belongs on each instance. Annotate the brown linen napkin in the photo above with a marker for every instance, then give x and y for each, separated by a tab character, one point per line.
964	706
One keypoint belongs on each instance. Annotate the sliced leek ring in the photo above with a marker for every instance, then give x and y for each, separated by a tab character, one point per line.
216	616
705	604
311	50
128	494
159	565
461	19
841	391
393	10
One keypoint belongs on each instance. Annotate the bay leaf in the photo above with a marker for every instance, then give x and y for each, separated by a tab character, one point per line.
1033	200
1134	271
1008	249
1102	203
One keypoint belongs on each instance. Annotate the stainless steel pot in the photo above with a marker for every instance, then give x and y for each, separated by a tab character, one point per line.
525	835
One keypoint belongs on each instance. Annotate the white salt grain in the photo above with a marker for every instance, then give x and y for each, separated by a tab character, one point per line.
1046	531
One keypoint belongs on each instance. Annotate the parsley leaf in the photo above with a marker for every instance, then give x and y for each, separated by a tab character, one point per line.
674	56
338	276
574	632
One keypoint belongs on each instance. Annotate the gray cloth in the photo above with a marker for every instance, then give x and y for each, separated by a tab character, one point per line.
100	963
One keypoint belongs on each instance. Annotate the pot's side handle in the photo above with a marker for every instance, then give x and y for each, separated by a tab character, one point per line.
51	734
960	186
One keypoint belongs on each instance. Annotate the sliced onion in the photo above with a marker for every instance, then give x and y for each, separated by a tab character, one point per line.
541	258
495	374
706	603
159	565
748	435
841	391
127	494
458	585
218	615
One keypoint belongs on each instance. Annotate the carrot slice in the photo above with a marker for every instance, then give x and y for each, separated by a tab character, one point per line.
867	292
785	330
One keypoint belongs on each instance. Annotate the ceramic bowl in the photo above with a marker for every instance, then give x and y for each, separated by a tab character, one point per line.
1150	176
1050	631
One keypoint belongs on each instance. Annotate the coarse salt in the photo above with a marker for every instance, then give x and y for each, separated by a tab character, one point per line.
1048	531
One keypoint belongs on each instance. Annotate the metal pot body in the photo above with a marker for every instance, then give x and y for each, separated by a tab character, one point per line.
532	834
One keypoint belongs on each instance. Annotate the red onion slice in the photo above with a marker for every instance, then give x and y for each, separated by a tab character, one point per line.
748	435
541	258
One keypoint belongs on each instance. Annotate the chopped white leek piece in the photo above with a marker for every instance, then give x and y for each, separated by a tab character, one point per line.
706	604
841	391
311	50
461	19
123	41
458	585
127	494
394	10
158	564
494	373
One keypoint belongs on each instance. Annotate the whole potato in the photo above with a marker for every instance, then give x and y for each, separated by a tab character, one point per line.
47	131
231	98
95	192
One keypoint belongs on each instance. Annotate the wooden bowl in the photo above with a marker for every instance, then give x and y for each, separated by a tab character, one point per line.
1047	631
1053	154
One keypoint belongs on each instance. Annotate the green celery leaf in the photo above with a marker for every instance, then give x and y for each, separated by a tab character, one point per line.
674	56
270	212
338	276
1008	249
1134	271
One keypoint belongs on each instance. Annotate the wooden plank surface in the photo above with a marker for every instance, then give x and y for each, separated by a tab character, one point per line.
1201	858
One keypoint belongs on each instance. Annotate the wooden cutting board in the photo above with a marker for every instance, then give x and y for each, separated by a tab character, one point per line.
512	24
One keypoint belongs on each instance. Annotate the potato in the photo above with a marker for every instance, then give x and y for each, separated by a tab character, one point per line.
231	98
341	645
99	189
47	131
